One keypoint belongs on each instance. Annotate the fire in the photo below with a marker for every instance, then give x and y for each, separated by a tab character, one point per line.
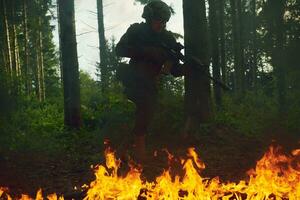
275	177
39	195
108	185
276	174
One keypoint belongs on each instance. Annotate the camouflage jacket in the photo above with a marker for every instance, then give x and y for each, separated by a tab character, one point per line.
139	36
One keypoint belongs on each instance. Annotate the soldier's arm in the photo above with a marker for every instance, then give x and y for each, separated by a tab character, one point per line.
175	68
126	47
131	46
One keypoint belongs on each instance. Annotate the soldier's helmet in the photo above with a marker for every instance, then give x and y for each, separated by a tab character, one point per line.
157	10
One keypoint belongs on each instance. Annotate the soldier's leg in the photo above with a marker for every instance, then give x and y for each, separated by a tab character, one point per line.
143	117
144	113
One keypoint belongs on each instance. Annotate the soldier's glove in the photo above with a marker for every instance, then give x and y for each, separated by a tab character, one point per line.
186	70
157	54
180	70
167	66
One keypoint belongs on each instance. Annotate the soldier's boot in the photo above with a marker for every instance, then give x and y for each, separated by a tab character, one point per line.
185	132
139	148
123	151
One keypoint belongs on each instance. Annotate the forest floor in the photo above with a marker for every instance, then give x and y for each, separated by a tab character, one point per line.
226	154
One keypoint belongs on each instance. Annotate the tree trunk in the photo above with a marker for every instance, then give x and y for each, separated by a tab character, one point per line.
37	73
222	40
278	52
215	50
26	71
60	50
239	72
197	85
41	60
254	47
14	53
102	47
69	62
240	21
3	62
7	40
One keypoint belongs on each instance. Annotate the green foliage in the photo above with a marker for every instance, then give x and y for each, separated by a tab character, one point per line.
110	68
103	110
292	117
34	126
39	128
5	100
169	115
251	116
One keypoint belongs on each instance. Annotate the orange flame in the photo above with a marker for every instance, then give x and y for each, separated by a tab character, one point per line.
275	177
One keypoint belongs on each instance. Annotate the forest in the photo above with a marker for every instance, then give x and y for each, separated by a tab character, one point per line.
59	125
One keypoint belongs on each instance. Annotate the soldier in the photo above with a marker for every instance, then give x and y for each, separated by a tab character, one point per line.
147	61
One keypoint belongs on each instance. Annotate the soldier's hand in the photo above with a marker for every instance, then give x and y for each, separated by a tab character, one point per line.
167	66
186	70
156	53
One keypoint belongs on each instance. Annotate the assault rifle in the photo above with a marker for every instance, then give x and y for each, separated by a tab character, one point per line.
174	52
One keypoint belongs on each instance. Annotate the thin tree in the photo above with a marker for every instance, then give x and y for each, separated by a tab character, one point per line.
278	51
7	40
213	22
254	63
102	47
221	8
69	62
239	83
14	49
40	60
26	73
241	30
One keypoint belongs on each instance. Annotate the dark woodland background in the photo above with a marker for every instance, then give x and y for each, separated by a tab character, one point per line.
54	118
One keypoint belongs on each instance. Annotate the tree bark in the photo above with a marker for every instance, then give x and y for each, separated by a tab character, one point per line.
240	20
41	60
102	47
37	73
254	46
215	50
221	6
278	52
3	61
26	71
14	53
239	71
197	85
7	40
69	62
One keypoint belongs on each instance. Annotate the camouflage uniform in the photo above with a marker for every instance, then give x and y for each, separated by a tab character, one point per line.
141	44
